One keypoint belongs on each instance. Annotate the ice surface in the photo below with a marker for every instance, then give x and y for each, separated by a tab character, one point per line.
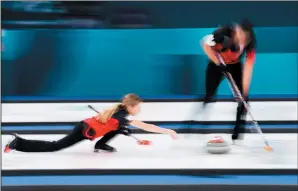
187	152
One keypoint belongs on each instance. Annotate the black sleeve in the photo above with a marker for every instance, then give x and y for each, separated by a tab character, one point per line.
121	116
123	122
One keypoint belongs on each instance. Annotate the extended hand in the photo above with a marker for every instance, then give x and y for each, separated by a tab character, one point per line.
172	133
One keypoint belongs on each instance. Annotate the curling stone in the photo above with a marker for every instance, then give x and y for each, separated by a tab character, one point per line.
217	145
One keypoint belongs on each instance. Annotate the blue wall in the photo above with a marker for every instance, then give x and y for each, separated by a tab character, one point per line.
148	62
203	14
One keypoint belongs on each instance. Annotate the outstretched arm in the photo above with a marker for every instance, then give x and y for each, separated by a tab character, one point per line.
153	128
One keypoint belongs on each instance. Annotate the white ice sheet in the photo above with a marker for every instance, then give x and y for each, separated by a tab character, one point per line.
185	153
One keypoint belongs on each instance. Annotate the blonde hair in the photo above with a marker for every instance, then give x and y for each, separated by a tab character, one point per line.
128	100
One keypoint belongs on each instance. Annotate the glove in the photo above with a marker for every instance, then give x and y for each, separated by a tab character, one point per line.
125	131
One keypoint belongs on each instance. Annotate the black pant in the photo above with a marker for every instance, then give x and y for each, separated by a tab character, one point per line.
50	146
213	78
106	138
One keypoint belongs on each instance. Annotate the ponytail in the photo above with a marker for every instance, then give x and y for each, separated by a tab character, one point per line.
107	113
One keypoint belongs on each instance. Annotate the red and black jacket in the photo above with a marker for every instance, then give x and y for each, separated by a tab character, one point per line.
223	37
97	129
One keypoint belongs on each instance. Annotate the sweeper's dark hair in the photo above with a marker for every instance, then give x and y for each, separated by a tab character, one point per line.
246	25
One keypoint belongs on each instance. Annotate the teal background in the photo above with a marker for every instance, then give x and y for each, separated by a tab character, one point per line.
149	62
149	180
